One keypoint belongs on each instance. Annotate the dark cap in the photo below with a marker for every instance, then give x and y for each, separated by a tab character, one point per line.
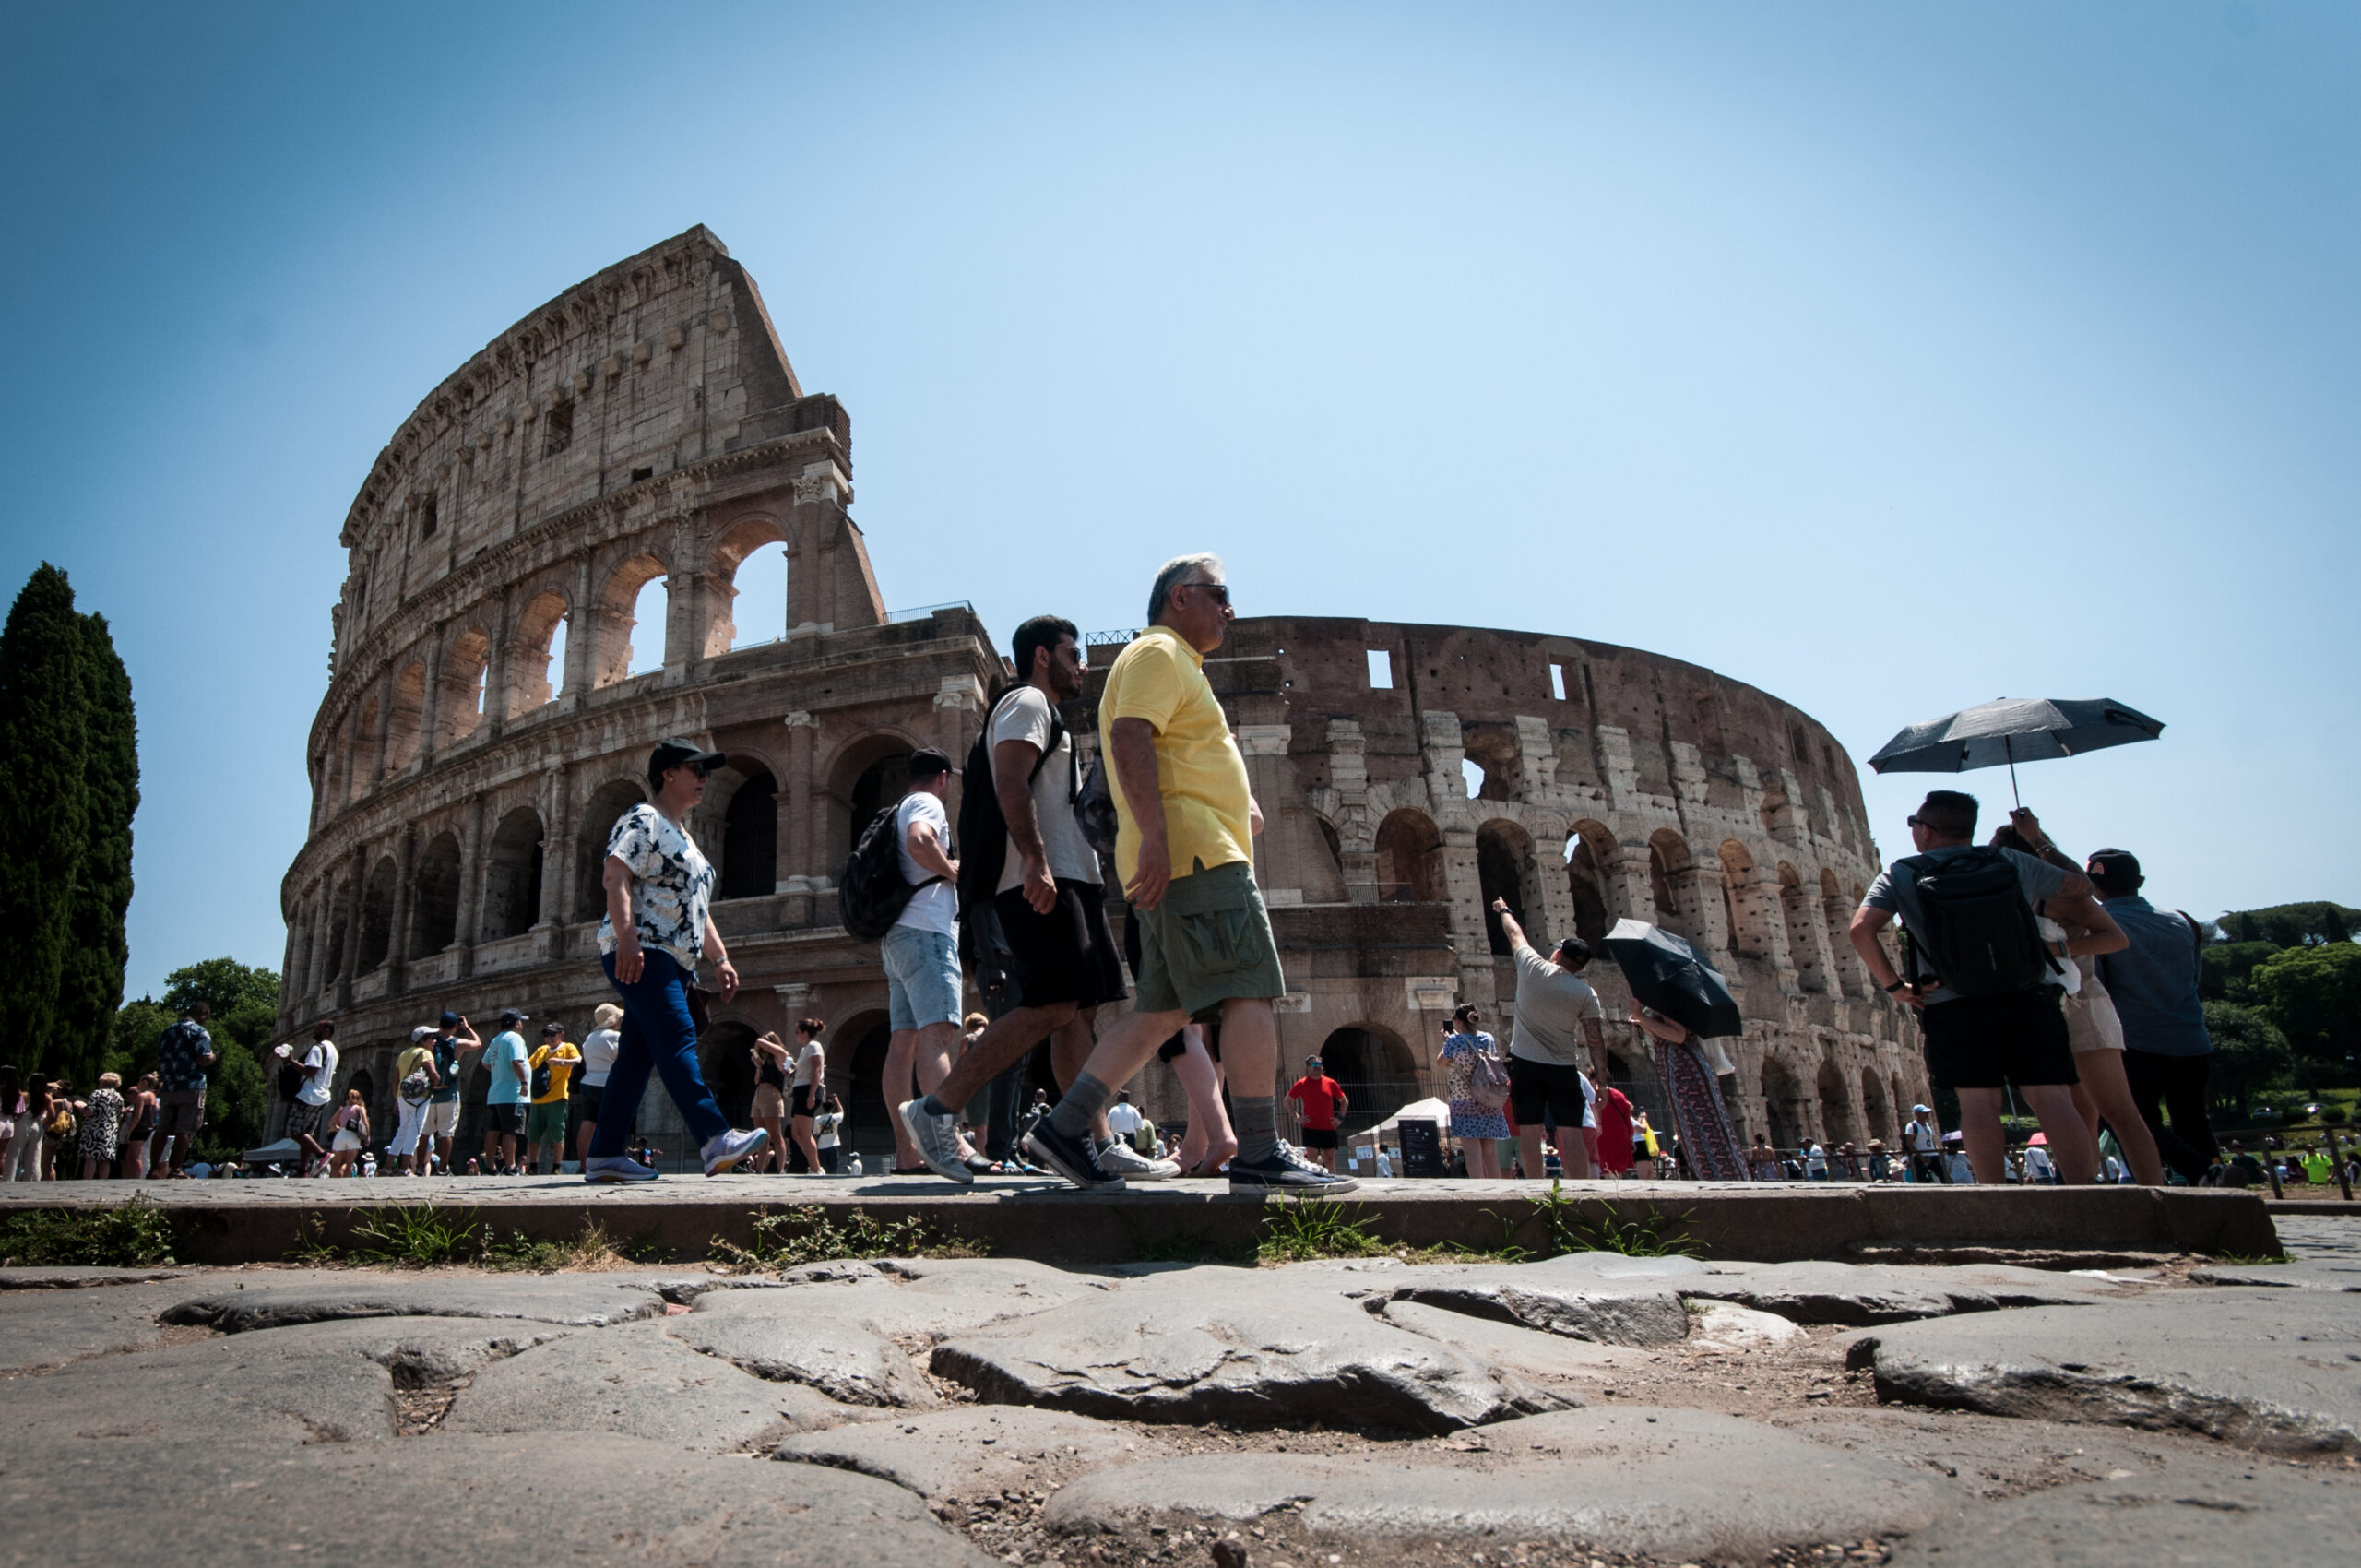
512	1015
2116	865
450	1020
553	1028
675	753
928	763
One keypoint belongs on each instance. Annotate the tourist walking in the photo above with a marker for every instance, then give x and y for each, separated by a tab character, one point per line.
307	1113
2168	1054
415	1080
659	891
348	1132
1319	1104
101	1120
138	1128
921	957
1994	1018
1558	1020
768	1109
184	1055
1185	838
1612	1108
808	1088
1475	1084
599	1048
552	1067
1707	1142
504	1109
1922	1142
453	1040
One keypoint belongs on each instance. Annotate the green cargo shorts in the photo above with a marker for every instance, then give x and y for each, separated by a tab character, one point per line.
546	1123
1209	941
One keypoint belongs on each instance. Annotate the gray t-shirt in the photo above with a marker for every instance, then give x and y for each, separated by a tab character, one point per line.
1024	716
1898	896
1550	1006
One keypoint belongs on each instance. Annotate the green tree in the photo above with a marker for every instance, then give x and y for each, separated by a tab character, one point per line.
91	987
2224	968
42	742
2249	1052
245	1000
131	1039
2292	925
2314	995
222	984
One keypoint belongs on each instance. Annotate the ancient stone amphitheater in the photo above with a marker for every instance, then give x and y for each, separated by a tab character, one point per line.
645	427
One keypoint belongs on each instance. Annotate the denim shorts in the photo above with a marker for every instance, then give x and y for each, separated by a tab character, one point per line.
922	977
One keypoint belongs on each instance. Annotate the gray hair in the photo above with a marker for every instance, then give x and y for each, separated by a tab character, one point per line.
1179	571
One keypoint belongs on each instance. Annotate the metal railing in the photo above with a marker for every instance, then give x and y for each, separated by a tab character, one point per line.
921	612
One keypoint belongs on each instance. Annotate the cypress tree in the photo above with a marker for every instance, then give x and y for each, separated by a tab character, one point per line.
42	745
91	987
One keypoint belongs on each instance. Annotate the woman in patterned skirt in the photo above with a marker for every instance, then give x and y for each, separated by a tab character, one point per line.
1712	1149
1473	1123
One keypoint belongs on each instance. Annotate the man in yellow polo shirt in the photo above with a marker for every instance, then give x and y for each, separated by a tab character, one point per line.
545	1117
1185	825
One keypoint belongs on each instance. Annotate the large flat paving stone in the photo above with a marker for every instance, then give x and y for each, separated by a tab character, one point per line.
1862	1295
2304	1274
1223	1345
1674	1484
816	1335
1581	1300
48	1328
968	1449
2193	1517
593	1500
637	1381
2278	1370
1551	1360
583	1300
30	1279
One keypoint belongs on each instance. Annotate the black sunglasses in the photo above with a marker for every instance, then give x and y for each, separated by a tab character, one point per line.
1219	590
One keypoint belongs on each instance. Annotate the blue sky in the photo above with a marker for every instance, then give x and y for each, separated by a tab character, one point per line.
1888	357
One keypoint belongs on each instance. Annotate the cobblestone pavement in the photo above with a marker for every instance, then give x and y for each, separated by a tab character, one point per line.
1591	1408
2320	1235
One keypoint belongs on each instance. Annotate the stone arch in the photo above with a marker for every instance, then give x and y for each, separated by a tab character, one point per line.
729	553
338	934
866	1129
1782	1104
363	769
1669	861
1835	1106
1742	901
1876	1112
606	803
1796	908
1590	849
1375	1069
377	916
529	656
866	776
435	897
512	884
749	839
1409	859
404	714
1493	749
467	666
1506	869
614	652
381	1132
729	1070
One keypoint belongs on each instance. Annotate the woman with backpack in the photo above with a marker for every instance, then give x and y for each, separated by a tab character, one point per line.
1476	1086
1707	1145
350	1127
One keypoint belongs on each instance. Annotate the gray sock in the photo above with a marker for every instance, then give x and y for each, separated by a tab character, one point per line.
1082	1103
1255	1119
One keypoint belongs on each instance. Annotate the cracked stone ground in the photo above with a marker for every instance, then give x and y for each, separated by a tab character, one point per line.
1588	1410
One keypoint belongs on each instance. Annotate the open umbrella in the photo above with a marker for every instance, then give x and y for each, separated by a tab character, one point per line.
2014	729
1670	976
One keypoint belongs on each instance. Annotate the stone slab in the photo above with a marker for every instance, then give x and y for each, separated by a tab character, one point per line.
1567	1296
47	1328
1680	1485
967	1449
1552	1361
2277	1369
80	1278
812	1335
2287	1518
2304	1274
1861	1295
580	1301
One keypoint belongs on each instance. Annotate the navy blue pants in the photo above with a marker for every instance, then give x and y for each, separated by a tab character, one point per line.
657	1034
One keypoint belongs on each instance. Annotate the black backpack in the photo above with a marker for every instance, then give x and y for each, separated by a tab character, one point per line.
871	890
291	1074
1979	938
541	1081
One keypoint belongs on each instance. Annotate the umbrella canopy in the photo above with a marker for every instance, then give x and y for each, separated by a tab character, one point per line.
1670	976
2039	1140
2011	730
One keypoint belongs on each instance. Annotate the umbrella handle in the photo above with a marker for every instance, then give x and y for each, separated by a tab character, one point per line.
2008	745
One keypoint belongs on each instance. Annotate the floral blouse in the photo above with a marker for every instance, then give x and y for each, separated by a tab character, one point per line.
1459	1054
671	886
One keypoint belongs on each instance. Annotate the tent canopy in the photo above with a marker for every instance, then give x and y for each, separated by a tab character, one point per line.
1434	1111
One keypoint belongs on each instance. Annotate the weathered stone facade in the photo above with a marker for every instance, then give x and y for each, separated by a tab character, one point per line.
647	424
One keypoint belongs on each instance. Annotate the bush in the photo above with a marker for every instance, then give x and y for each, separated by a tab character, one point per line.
131	1235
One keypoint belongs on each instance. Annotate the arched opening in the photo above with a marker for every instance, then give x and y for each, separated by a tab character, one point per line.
365	736
750	839
1589	846
512	884
621	650
377	916
1505	869
1742	901
404	717
1837	915
533	671
459	707
606	804
1492	748
1876	1113
724	1056
867	1129
1782	1104
333	962
1836	1110
652	608
1376	1071
747	591
1795	910
381	1131
1667	862
1899	1105
869	775
434	901
1409	859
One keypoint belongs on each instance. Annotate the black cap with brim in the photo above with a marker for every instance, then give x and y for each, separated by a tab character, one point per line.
2116	865
675	753
511	1016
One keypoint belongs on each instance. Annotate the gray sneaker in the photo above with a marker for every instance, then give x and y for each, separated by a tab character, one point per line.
1120	1159
937	1139
616	1168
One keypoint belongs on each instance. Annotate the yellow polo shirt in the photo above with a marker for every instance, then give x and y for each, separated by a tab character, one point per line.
1161	679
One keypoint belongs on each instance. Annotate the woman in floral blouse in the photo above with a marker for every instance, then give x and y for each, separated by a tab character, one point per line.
659	888
1473	1123
101	1118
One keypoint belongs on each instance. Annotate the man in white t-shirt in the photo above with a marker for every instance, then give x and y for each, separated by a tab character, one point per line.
1123	1117
309	1114
1923	1140
1558	1021
922	953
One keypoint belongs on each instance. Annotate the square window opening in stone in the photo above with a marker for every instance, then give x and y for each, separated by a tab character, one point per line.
1381	669
1558	682
638	474
557	429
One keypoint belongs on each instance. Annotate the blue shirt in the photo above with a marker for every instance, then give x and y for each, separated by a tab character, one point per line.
2153	981
181	1051
506	1050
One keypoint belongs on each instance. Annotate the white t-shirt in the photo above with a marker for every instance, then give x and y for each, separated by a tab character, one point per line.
598	1049
936	906
806	1061
1025	715
320	1063
1123	1118
1920	1137
824	1126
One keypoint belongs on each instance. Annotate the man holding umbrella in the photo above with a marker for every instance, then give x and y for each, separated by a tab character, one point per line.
1982	978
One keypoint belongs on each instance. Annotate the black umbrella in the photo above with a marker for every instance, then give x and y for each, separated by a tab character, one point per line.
1668	975
2014	729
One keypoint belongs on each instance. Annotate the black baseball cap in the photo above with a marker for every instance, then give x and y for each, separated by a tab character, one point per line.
675	753
450	1020
512	1015
2116	865
928	763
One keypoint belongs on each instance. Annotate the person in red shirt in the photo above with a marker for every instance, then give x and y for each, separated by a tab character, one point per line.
1317	1102
1614	1130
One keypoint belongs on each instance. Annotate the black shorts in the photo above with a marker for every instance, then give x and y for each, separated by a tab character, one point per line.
1067	954
1539	1087
1320	1137
802	1104
507	1118
1981	1042
587	1098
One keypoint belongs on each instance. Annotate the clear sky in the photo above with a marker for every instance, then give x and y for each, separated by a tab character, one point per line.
1889	358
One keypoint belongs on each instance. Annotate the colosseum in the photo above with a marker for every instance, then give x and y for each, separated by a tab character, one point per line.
543	566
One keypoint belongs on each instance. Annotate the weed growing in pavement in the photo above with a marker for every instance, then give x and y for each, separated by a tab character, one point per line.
413	1236
2242	1260
593	1249
130	1235
1299	1229
1652	1235
807	1234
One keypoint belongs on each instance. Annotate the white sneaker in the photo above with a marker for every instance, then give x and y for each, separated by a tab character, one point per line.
1120	1159
727	1148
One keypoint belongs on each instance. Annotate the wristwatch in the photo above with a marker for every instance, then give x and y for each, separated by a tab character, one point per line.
1896	986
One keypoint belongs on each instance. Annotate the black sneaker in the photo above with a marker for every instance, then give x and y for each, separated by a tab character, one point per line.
1289	1172
1076	1160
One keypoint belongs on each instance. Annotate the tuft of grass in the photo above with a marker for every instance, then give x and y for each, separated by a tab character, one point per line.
1300	1229
131	1235
414	1236
806	1233
2244	1260
1652	1235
